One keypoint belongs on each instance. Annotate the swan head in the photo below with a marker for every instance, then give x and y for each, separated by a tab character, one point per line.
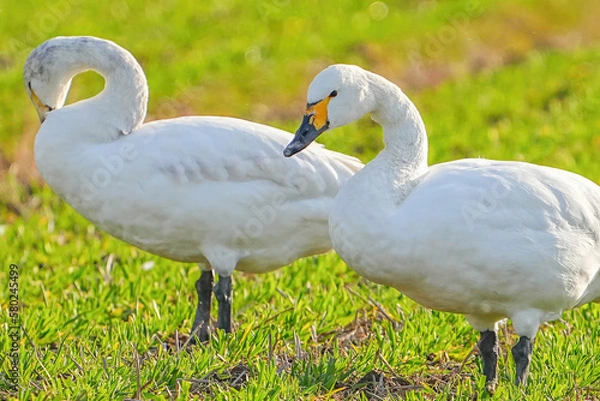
44	78
337	96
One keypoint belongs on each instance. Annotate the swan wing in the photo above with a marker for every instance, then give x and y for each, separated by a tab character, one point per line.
198	149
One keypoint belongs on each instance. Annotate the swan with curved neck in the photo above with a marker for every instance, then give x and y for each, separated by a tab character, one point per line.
212	190
487	239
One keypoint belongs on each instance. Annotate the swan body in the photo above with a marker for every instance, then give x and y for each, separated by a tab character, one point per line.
487	239
531	248
213	190
199	189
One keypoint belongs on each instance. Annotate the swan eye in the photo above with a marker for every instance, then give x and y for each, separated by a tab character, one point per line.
333	94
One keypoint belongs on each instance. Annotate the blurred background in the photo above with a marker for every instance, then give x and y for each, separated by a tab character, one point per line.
513	80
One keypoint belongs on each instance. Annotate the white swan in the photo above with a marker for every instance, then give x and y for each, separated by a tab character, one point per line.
488	239
212	190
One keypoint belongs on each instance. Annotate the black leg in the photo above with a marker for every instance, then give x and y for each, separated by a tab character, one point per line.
488	349
224	294
522	355
204	286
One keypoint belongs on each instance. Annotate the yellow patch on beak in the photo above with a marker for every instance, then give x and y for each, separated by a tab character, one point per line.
318	113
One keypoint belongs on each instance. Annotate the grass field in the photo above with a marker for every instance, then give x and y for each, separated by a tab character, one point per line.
514	80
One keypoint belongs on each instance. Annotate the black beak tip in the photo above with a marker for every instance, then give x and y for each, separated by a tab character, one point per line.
289	151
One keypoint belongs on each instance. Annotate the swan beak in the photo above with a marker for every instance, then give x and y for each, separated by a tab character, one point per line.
40	107
305	135
309	130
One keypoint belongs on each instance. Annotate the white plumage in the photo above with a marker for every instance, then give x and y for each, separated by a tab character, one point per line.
213	190
487	239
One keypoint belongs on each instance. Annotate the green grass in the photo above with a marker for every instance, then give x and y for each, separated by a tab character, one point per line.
310	329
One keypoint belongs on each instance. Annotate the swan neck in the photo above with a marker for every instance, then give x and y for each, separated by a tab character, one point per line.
121	106
405	137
